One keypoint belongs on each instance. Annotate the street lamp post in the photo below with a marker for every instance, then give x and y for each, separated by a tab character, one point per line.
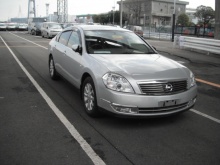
173	26
113	9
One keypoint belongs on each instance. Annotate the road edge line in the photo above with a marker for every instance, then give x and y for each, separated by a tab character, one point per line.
205	115
28	41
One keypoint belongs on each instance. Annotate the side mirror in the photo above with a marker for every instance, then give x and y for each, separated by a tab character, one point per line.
77	48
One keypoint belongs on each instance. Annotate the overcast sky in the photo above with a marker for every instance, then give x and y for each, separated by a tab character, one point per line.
10	8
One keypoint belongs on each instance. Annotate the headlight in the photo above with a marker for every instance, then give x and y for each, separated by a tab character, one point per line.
117	83
192	80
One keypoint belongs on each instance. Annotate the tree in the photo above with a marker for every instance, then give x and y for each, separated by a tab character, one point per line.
135	7
108	17
183	19
205	14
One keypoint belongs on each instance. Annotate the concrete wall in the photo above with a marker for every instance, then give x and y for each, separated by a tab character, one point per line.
217	19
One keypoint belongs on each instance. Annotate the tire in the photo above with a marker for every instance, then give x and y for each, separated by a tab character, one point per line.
33	32
48	37
89	98
52	70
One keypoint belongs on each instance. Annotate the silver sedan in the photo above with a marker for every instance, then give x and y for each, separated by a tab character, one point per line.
118	71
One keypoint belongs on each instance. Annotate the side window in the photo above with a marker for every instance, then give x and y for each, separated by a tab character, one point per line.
58	36
74	39
64	37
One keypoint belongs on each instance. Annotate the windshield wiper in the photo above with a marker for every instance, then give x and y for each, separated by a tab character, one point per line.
151	53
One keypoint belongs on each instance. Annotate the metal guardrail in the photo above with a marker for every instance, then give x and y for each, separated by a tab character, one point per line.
207	45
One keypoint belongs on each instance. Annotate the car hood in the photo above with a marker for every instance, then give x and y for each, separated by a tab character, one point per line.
143	67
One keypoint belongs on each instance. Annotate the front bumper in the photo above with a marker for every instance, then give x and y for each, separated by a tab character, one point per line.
3	28
143	105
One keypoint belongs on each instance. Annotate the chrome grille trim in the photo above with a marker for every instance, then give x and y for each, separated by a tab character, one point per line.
162	87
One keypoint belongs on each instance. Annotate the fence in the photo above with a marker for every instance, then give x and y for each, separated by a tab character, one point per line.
165	32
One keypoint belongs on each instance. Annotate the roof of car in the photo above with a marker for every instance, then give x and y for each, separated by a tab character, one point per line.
97	27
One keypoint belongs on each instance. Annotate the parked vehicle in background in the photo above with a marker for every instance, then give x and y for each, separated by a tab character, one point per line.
118	71
3	26
22	27
66	25
50	29
34	25
12	26
137	29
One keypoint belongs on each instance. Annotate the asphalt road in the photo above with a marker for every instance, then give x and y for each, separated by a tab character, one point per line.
32	133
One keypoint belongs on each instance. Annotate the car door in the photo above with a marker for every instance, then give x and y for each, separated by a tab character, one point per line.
59	51
72	60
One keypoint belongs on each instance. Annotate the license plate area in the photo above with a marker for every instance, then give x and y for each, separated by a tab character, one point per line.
168	103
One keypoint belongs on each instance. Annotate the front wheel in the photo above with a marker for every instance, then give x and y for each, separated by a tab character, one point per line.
89	98
52	69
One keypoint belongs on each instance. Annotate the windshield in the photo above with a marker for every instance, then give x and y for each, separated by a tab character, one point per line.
55	26
115	42
11	24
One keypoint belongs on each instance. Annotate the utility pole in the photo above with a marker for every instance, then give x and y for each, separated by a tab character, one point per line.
121	11
47	9
174	16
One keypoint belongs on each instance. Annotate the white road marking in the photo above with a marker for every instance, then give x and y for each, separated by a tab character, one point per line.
205	115
85	146
29	41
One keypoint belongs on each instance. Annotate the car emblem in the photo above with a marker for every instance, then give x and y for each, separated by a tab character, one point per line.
169	87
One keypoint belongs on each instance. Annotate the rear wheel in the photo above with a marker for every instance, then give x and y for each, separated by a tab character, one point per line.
52	69
89	98
33	32
48	36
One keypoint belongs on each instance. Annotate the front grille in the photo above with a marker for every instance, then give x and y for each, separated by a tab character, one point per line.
163	88
162	109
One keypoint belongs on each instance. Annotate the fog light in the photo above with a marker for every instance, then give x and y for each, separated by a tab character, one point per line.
124	109
194	100
191	102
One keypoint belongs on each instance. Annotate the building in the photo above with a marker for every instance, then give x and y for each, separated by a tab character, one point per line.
54	18
19	20
148	12
192	18
217	19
